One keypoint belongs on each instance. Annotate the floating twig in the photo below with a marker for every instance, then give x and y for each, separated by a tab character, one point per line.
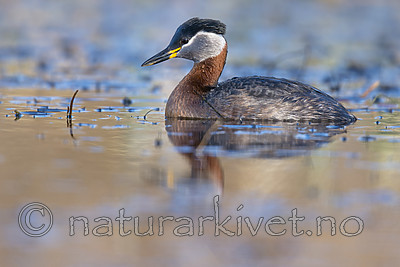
69	114
69	109
145	115
71	104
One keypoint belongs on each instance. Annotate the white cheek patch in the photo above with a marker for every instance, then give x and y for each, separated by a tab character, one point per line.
202	46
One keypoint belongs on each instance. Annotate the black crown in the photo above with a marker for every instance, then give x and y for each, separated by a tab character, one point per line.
194	25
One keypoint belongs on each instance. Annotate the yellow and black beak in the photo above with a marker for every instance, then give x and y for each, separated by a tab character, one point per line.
162	56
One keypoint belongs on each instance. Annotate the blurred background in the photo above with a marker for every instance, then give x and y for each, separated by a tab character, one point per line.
315	41
113	157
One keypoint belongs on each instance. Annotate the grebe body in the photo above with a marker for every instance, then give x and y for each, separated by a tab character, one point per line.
200	96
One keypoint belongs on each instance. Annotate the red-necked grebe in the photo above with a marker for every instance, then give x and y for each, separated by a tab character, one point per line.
200	96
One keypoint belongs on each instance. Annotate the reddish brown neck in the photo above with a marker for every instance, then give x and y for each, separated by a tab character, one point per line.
204	75
187	99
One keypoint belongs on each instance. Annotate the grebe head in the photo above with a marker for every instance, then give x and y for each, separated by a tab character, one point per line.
196	40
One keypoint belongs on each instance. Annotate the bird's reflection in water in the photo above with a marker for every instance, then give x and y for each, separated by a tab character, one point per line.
202	142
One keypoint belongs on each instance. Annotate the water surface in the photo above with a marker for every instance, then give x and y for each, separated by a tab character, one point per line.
114	158
122	154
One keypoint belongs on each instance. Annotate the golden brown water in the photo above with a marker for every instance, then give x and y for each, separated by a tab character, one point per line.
112	158
116	160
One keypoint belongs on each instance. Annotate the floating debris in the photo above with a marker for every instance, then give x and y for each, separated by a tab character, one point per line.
145	115
126	101
69	109
18	115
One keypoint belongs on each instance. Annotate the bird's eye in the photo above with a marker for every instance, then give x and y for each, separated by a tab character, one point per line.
184	40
